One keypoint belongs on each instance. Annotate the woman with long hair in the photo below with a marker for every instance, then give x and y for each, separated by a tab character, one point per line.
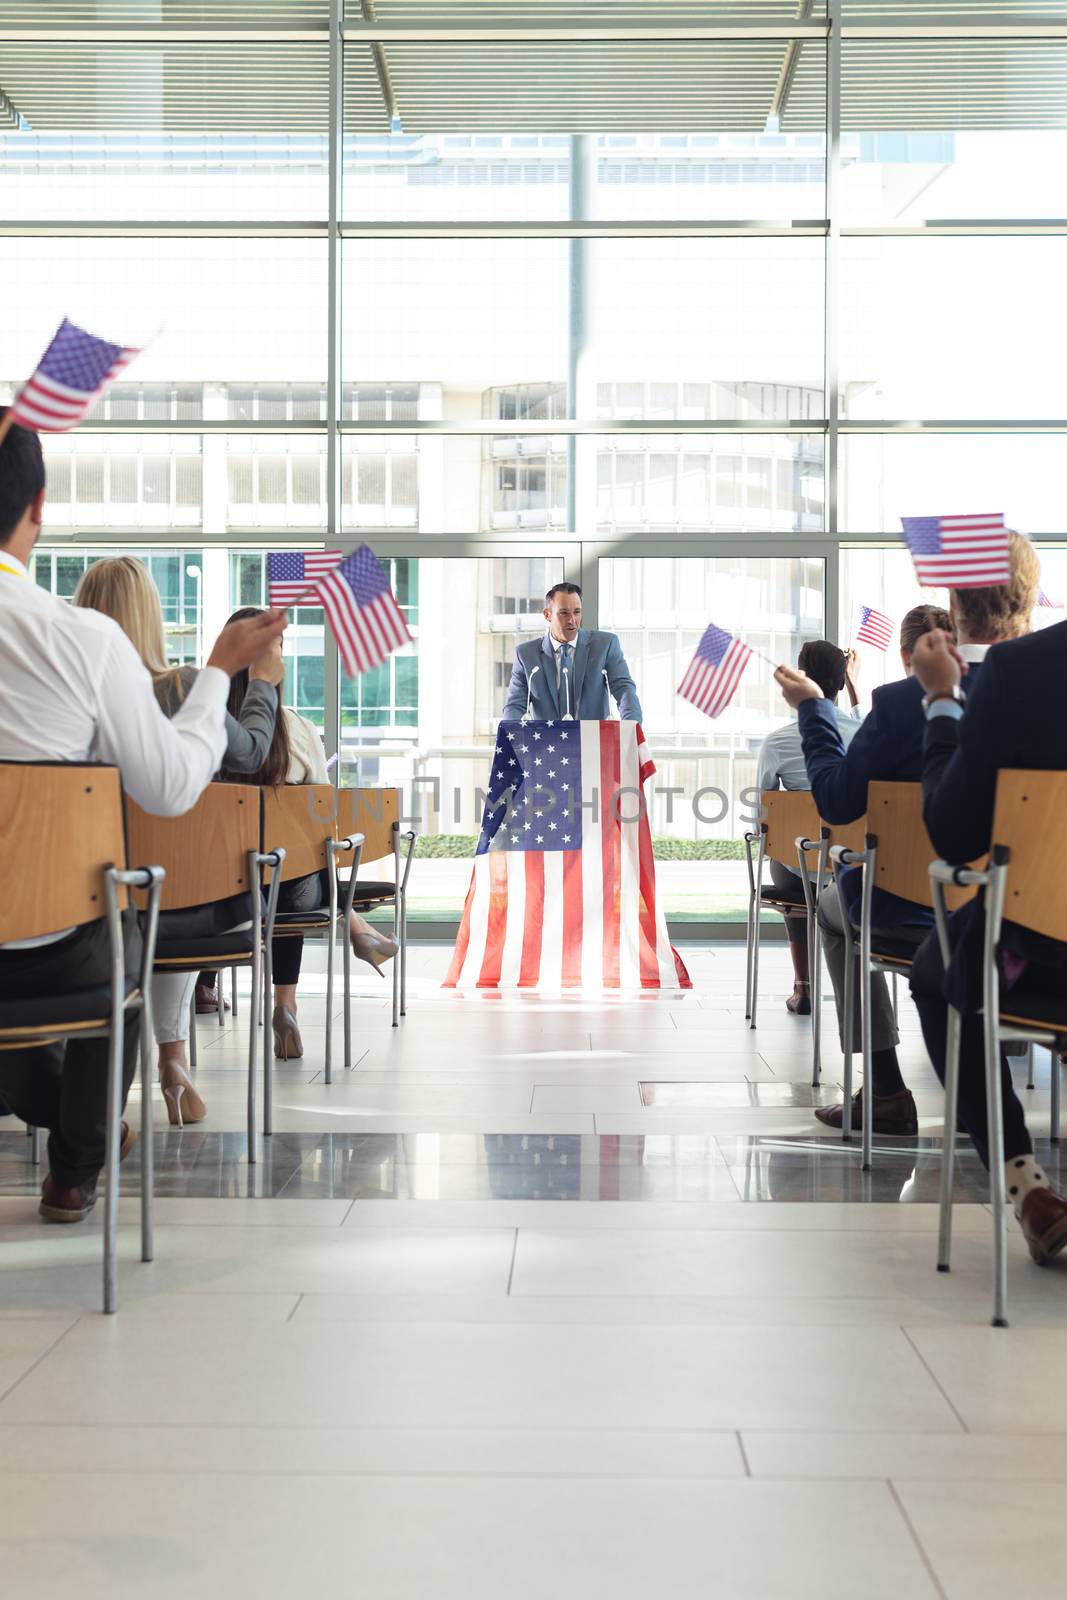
296	755
122	588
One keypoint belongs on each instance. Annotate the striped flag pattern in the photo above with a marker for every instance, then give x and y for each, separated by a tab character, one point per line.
715	671
73	372
872	627
969	552
362	611
1044	600
563	892
292	572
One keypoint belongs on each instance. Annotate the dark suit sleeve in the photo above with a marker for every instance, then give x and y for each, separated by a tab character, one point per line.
621	684
518	692
839	777
961	757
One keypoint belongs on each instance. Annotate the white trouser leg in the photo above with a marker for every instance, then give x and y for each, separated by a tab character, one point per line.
172	994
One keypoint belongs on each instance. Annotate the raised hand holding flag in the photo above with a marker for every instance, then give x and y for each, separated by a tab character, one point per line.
73	372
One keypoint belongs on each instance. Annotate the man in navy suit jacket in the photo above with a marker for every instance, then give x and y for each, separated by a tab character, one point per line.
889	747
571	669
1014	717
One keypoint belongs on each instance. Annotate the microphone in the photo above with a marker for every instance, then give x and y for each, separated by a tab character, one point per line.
567	685
529	697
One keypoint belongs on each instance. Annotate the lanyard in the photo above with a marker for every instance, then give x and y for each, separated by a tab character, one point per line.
14	571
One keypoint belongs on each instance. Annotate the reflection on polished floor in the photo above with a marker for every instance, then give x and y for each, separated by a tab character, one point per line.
544	1294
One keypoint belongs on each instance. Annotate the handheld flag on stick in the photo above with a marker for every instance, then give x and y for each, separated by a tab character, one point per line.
871	627
73	372
362	611
1044	600
292	572
715	671
969	552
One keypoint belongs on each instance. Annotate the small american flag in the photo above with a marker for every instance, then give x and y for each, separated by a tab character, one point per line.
75	369
872	627
563	891
362	611
292	572
1044	600
715	671
959	552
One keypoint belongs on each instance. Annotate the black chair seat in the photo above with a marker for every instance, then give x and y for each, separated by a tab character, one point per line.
302	921
222	949
85	1006
897	945
782	900
1032	1004
371	889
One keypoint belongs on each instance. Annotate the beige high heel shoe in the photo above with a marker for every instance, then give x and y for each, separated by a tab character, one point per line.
288	1045
374	948
183	1102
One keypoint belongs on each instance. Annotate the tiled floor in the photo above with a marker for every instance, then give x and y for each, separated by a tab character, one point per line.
543	1296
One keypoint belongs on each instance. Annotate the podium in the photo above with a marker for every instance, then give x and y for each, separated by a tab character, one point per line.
562	897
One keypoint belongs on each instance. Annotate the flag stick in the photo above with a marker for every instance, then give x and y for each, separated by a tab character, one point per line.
6	423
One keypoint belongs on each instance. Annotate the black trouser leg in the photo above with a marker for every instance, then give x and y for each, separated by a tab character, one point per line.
928	990
64	1088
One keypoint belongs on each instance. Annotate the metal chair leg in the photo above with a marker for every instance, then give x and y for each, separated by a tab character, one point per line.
896	1014
192	1031
948	1141
403	897
347	948
815	971
233	992
396	963
221	1012
148	1157
848	1026
35	1146
1030	1065
268	1044
1056	1085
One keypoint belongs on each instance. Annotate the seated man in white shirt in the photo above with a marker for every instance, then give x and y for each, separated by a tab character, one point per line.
781	766
72	688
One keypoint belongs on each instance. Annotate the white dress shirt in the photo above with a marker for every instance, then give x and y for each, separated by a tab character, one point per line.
73	688
781	757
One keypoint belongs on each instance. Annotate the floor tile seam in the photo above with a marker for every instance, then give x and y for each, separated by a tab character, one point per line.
372	1474
920	1548
935	1380
10	1390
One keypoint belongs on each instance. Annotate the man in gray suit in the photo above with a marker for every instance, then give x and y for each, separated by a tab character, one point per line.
570	670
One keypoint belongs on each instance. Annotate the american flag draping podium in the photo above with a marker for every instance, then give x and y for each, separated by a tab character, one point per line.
563	893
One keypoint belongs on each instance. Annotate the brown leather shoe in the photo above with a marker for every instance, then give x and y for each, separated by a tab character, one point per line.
893	1114
207	1001
1044	1224
66	1205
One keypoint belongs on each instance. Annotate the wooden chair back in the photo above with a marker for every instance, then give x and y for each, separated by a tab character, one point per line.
371	812
60	826
1031	820
204	852
790	813
895	817
300	817
852	835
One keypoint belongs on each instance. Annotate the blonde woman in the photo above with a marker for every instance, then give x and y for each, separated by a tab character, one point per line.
122	589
